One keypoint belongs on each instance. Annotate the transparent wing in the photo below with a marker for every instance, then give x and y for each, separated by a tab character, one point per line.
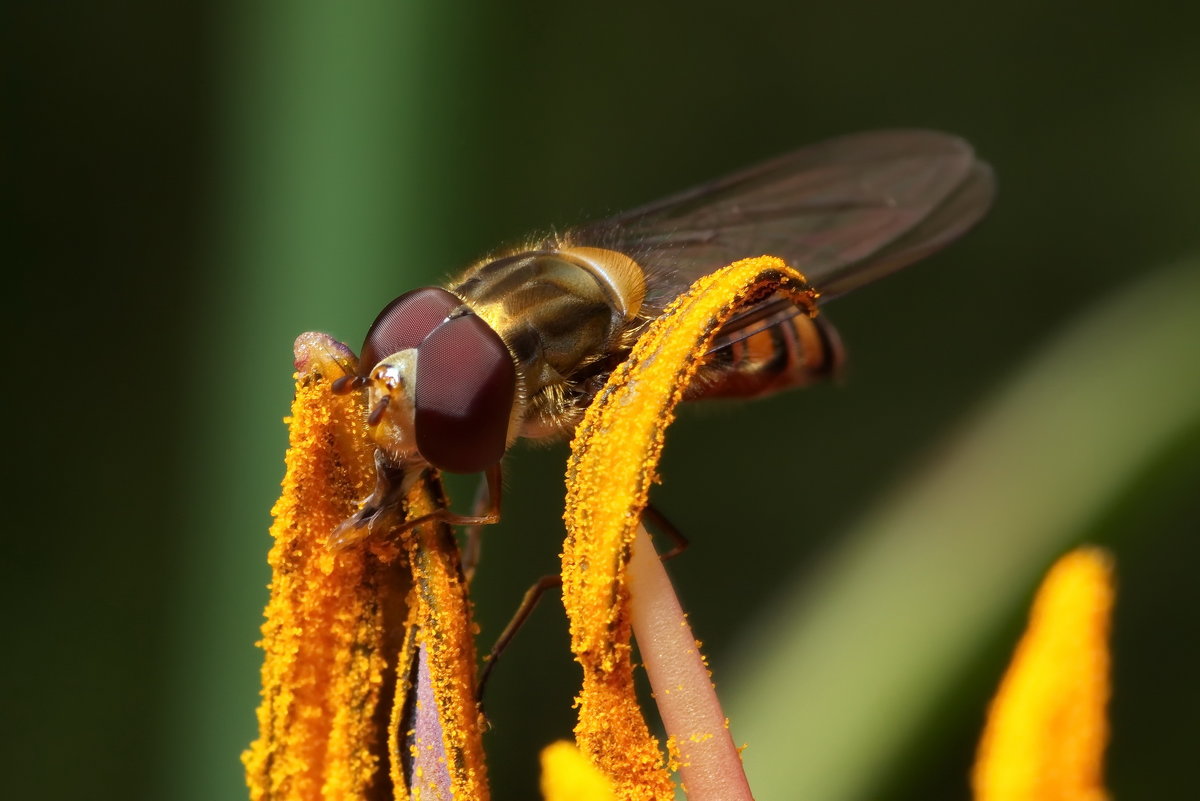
844	212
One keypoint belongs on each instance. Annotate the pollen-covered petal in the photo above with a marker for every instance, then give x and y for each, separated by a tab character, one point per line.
325	650
613	463
435	741
567	775
1047	730
417	746
337	622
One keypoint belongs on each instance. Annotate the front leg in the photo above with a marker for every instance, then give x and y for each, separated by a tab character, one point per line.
381	507
487	503
380	511
489	514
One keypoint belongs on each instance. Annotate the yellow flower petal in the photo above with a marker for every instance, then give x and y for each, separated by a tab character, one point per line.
567	775
1046	729
614	461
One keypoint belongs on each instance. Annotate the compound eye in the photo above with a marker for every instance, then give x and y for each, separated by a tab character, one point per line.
464	396
404	323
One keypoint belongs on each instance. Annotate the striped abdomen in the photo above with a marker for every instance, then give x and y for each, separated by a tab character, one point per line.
789	352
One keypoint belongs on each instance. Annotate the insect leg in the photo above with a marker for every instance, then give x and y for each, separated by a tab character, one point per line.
473	548
392	483
532	596
377	514
491	514
659	522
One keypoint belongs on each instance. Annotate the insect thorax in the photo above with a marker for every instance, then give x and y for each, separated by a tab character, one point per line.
563	314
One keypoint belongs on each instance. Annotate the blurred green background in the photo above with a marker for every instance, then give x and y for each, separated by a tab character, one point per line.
193	184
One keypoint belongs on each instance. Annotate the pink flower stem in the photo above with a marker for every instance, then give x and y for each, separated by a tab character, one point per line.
710	766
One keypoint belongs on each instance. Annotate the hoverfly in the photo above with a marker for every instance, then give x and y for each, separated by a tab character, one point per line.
520	344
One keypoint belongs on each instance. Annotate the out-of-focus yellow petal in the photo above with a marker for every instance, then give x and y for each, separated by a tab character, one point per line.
567	775
614	461
1047	730
336	622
